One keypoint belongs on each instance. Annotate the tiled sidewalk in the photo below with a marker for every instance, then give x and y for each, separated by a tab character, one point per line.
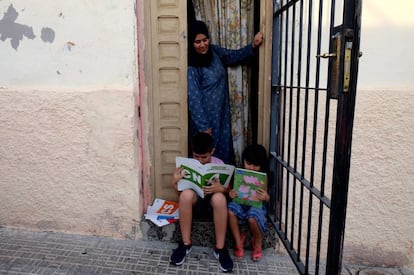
27	252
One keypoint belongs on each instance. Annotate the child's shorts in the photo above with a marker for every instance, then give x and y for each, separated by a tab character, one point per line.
203	208
243	212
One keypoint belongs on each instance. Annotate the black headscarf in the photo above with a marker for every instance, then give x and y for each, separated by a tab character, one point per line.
195	59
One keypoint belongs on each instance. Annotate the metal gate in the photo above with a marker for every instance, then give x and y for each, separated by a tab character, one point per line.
314	77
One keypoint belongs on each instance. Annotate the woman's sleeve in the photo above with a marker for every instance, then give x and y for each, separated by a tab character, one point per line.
195	102
234	57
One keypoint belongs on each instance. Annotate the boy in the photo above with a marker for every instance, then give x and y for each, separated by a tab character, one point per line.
203	150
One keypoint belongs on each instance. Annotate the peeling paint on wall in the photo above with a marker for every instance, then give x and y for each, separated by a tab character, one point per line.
9	29
48	35
15	31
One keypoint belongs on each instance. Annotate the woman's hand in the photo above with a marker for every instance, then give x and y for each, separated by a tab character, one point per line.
209	131
258	40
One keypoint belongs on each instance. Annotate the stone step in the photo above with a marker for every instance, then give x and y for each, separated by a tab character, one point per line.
202	234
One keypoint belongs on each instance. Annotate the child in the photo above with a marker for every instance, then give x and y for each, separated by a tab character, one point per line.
254	158
202	150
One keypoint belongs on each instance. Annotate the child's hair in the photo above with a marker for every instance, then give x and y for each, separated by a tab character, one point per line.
256	154
202	143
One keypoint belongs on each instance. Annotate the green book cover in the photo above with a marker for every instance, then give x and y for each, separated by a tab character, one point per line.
246	182
197	175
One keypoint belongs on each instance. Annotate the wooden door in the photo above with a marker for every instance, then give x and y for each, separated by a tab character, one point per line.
166	75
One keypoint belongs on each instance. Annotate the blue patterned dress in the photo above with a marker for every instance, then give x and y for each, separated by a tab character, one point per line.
208	98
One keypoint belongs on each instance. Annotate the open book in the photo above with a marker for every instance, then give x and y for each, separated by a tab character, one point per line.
197	175
246	182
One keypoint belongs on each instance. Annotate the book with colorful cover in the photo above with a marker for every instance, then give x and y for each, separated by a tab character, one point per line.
197	175
162	212
246	183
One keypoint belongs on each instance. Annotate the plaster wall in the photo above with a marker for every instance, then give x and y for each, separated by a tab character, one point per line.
379	228
68	151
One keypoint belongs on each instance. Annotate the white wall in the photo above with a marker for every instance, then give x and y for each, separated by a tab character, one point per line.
386	42
93	45
68	153
380	214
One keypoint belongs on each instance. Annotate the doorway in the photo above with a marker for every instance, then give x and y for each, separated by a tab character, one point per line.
165	27
232	25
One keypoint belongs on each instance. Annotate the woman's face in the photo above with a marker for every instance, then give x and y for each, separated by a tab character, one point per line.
201	43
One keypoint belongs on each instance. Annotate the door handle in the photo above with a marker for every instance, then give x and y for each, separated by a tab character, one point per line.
326	55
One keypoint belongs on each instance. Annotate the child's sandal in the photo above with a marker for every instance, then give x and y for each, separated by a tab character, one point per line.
257	252
239	249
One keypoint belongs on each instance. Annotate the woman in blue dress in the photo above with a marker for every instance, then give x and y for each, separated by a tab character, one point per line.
208	92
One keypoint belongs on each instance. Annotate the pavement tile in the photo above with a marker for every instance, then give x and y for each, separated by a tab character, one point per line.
29	252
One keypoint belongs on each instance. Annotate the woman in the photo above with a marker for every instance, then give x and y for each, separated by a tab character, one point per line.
208	98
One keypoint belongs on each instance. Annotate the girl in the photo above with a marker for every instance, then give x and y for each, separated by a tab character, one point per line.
254	158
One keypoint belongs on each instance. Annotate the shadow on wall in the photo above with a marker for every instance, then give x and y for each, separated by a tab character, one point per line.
380	257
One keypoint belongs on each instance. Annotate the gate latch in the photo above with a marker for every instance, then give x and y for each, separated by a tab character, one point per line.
339	67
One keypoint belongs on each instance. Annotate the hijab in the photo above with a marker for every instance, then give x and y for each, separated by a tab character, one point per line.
195	59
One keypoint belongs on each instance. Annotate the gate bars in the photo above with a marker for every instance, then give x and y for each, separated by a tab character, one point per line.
312	116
